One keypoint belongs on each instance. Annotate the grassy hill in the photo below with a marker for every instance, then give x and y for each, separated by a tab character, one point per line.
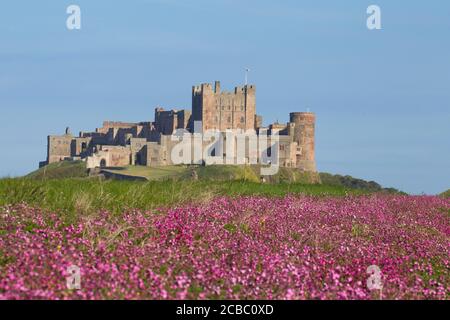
66	186
77	169
60	170
354	183
446	194
68	169
215	173
83	196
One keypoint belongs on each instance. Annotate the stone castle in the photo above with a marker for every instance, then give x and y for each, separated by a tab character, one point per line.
119	144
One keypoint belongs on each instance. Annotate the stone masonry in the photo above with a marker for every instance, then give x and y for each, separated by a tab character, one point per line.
118	144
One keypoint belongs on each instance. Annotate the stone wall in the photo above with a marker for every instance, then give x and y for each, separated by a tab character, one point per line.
224	110
304	135
59	148
110	156
150	143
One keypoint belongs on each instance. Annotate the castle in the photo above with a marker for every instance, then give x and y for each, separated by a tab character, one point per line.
119	144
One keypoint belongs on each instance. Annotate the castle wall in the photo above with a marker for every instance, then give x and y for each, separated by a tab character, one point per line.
80	147
107	125
166	122
59	148
155	154
136	146
110	156
184	118
224	110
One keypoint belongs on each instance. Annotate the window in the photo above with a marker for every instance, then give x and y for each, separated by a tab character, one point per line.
242	120
229	119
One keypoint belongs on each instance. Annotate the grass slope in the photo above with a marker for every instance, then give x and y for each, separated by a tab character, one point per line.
446	194
354	183
60	170
78	196
216	173
65	187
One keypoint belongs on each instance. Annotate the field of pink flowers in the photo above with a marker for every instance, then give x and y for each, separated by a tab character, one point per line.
295	247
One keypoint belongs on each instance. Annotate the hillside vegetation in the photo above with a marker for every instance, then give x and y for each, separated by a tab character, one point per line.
247	248
88	195
446	194
215	173
67	187
354	183
68	169
59	170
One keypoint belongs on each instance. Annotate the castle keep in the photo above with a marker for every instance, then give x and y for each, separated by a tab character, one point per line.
118	144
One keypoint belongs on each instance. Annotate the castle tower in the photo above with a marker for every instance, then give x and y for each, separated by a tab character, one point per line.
224	110
304	136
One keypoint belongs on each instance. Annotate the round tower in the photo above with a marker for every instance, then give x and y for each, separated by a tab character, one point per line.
304	136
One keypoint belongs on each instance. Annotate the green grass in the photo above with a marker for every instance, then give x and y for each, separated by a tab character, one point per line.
59	170
216	173
150	173
66	188
83	196
354	183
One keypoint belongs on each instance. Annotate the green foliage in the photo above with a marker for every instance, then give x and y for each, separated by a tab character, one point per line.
446	194
61	170
231	228
354	183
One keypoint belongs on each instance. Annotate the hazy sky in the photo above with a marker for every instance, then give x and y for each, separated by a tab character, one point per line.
382	97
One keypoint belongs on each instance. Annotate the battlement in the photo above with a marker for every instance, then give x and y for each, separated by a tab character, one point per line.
302	116
207	88
118	124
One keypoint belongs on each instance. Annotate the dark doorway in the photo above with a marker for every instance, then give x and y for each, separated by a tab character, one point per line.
103	163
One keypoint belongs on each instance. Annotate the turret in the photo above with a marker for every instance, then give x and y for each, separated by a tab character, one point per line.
217	87
304	136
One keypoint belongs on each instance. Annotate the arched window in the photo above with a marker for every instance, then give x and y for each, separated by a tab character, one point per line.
103	163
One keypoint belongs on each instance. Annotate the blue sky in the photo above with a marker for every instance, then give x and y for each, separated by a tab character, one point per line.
382	98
